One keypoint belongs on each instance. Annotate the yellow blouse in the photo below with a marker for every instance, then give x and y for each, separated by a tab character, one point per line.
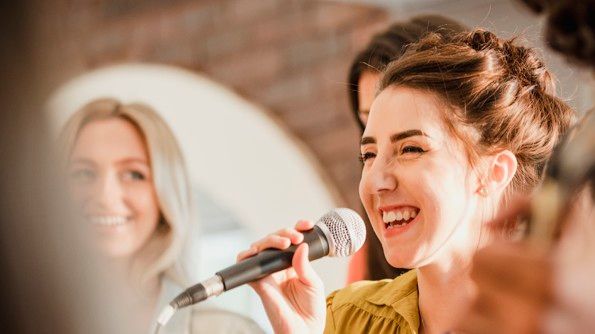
386	306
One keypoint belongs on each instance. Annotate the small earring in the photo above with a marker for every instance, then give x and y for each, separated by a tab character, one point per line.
483	191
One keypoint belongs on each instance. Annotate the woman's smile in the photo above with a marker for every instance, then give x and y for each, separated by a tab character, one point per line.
397	219
109	221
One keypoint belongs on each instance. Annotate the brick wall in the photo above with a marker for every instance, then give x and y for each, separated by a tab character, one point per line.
290	56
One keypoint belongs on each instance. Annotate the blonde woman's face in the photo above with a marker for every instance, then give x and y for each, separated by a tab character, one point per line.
417	186
111	181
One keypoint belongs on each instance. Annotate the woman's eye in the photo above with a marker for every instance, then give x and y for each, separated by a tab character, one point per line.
134	175
82	175
412	149
366	156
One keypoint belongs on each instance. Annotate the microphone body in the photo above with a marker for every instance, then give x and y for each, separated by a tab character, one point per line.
270	261
266	262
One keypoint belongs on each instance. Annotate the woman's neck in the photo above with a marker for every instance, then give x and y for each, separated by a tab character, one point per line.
145	297
124	268
144	294
444	290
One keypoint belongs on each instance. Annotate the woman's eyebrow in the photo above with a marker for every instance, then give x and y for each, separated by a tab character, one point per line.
133	160
406	134
396	137
82	161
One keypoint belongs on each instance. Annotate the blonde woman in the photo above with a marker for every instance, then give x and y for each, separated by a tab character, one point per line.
128	178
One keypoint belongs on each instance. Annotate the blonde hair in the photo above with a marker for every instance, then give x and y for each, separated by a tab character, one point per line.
161	254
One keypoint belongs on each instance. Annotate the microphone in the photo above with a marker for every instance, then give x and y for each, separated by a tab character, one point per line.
338	233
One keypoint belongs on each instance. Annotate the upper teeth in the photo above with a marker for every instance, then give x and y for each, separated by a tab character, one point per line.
398	215
108	220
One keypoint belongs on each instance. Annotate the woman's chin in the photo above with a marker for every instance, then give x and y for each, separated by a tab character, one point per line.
398	261
400	257
114	252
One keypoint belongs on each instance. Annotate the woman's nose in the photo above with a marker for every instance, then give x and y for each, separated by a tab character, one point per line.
380	177
109	192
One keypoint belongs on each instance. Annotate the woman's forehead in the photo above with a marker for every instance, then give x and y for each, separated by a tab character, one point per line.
398	109
110	138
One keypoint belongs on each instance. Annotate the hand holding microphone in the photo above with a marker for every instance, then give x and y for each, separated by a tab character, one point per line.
294	298
278	268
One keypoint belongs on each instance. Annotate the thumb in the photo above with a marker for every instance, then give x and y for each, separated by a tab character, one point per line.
303	267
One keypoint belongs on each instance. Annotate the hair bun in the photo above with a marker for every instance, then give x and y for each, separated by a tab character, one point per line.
481	40
519	62
527	67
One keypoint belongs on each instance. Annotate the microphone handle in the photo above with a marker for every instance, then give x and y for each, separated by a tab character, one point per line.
270	261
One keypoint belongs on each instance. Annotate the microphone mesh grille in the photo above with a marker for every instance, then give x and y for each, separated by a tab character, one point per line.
347	231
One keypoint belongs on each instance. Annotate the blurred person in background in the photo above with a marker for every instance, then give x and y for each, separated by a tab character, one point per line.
459	126
364	75
127	176
537	287
542	285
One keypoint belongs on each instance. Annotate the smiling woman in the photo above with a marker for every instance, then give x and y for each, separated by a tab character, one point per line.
118	157
111	179
460	124
459	127
128	179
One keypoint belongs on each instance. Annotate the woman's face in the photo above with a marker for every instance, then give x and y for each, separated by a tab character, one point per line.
417	186
366	91
110	179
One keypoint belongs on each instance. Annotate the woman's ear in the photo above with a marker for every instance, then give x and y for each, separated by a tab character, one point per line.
502	169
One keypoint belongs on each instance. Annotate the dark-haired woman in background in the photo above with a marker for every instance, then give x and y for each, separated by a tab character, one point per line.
458	127
364	75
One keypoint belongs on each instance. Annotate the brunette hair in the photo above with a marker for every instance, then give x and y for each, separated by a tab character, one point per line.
390	44
500	97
